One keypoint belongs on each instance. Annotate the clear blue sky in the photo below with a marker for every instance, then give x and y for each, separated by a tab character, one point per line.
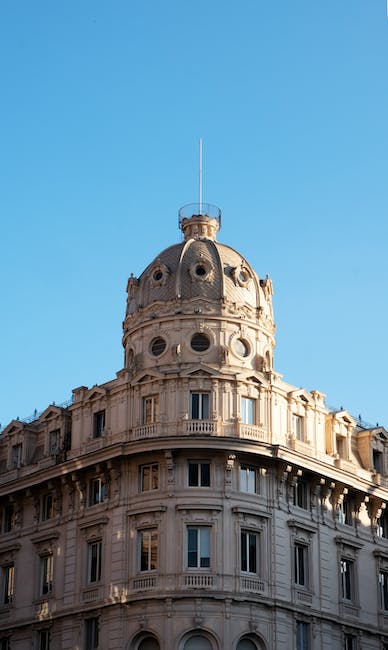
102	106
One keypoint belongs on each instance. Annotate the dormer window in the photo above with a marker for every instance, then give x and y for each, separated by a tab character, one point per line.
16	458
298	427
98	424
54	442
377	461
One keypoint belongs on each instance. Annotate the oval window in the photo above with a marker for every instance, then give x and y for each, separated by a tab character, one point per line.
241	347
200	342
200	270
157	275
243	276
158	346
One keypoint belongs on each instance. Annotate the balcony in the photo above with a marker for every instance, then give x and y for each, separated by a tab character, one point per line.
206	427
198	581
144	583
254	585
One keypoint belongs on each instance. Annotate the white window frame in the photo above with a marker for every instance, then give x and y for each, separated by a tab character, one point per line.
201	536
301	565
246	561
150	409
149	477
248	410
249	479
46	574
347	569
199	405
7	584
202	477
147	542
96	491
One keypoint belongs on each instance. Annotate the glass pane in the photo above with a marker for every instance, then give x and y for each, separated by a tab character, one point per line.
195	406
205	547
205	406
193	474
246	644
205	474
198	643
192	547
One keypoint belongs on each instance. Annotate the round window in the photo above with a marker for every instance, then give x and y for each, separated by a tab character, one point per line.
241	347
243	276
200	270
158	346
157	275
200	342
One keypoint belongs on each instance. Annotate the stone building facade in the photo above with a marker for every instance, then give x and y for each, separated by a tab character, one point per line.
197	501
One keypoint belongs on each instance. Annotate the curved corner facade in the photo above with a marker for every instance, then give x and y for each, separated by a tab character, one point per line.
197	501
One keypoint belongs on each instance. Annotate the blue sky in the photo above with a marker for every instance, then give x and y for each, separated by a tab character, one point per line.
102	106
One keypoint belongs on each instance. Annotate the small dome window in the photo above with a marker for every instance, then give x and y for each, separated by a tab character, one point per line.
200	342
157	275
158	346
241	347
200	270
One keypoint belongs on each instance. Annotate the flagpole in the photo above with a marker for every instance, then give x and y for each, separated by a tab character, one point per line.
200	174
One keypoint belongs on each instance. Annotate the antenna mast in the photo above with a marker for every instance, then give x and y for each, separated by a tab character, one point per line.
200	174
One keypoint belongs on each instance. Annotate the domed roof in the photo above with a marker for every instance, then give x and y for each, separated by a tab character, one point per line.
200	268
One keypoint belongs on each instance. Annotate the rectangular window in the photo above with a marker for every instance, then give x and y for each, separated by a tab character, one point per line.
198	547
96	491
199	474
347	579
378	461
298	427
301	494
16	459
54	442
345	511
47	509
249	479
199	406
247	410
302	636
382	525
7	584
8	518
5	644
349	642
98	424
249	551
150	409
301	565
94	561
149	477
148	542
44	640
91	634
46	575
383	580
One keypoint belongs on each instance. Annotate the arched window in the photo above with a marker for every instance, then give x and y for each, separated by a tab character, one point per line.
246	644
149	644
197	642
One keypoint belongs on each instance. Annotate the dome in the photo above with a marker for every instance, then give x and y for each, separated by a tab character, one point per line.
200	269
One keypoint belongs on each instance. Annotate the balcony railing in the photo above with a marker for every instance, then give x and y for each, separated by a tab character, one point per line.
252	584
198	581
145	582
201	426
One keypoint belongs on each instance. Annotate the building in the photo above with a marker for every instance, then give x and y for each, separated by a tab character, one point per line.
197	501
